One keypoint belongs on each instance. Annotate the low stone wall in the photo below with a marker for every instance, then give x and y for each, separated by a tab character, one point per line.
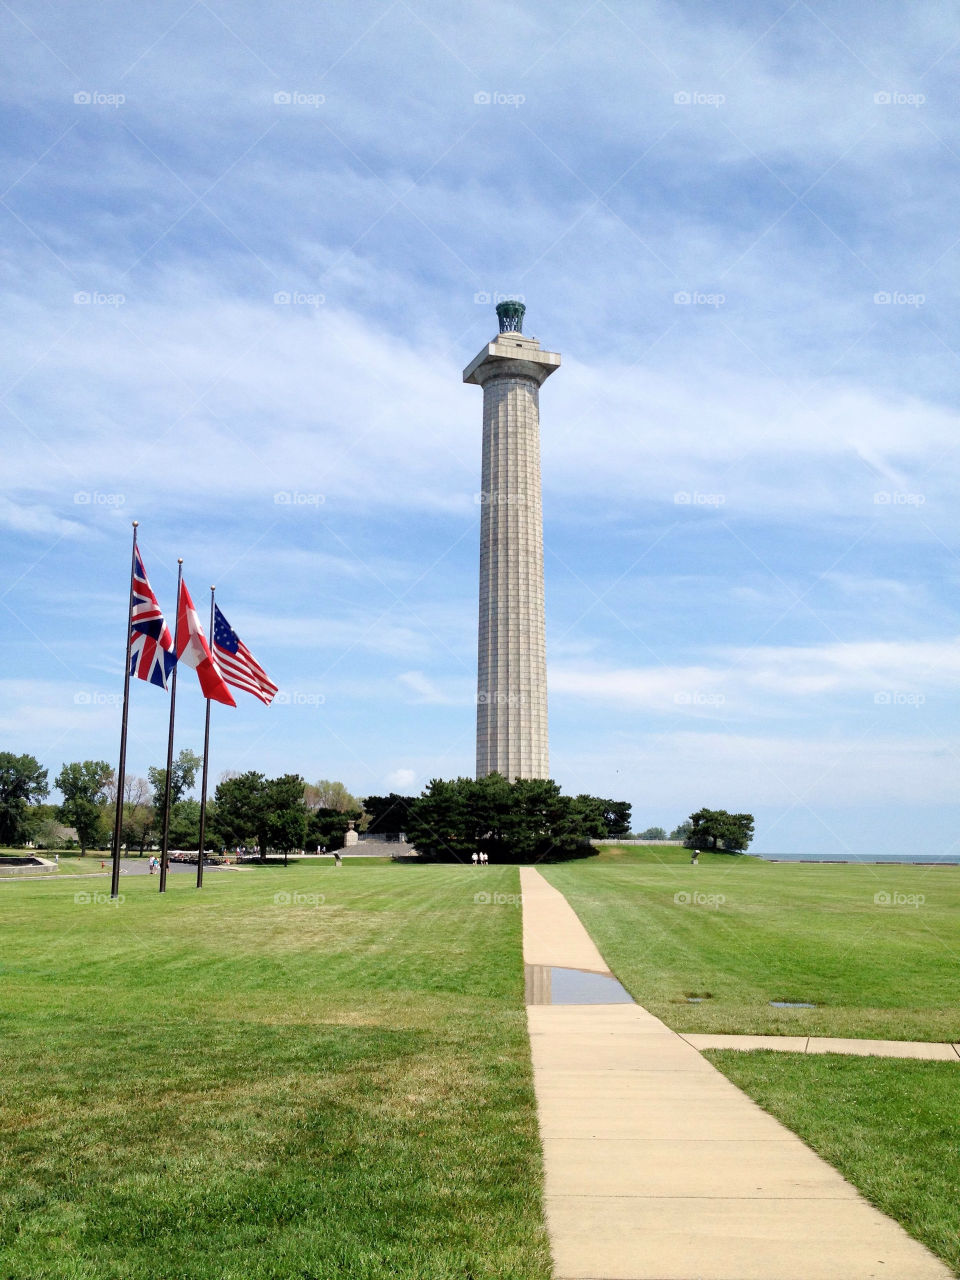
38	867
678	844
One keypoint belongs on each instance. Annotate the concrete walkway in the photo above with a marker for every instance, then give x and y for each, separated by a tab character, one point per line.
658	1168
928	1049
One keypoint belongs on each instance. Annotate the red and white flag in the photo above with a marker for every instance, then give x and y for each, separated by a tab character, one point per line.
192	648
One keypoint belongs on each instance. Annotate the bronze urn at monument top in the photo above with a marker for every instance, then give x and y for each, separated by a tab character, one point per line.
512	736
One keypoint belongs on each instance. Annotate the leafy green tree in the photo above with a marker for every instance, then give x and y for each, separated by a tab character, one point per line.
22	783
721	831
138	814
492	818
438	824
48	834
183	775
549	825
84	786
653	833
387	815
240	804
618	815
682	831
39	824
211	839
603	818
44	828
184	829
524	821
327	828
593	812
268	811
329	795
285	814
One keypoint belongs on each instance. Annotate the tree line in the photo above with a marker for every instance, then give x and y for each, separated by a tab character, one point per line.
521	821
509	821
246	809
708	829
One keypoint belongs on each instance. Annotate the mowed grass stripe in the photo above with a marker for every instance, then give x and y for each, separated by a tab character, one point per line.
742	933
219	1085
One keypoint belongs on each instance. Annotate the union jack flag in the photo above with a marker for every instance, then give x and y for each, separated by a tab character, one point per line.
237	664
151	645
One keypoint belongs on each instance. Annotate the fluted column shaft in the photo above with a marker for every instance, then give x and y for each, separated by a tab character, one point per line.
512	736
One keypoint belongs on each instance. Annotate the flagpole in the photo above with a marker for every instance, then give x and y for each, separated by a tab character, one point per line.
173	706
206	757
122	767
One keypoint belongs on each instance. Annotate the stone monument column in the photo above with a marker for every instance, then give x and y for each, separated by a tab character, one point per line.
512	659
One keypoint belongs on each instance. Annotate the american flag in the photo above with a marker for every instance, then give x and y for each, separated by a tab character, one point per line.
151	644
237	664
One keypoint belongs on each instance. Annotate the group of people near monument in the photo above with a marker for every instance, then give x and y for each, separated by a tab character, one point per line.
479	859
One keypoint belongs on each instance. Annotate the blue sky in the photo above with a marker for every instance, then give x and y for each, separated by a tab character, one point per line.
736	223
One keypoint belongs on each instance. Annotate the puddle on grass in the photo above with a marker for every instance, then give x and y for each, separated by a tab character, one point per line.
547	984
792	1004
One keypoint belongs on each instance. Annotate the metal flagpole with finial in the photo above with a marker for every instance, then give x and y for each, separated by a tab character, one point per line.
173	706
122	767
206	758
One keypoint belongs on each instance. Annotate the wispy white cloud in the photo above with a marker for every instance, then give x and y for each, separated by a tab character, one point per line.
741	772
747	679
38	520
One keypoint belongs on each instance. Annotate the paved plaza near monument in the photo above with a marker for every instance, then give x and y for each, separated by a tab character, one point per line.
658	1168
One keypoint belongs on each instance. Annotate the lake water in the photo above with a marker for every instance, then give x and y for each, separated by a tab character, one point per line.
916	859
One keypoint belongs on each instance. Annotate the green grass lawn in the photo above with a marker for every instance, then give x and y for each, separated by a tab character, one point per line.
888	1125
224	1085
744	932
739	932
